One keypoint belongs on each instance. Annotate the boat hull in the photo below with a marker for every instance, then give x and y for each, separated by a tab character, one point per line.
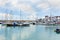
12	25
25	25
57	30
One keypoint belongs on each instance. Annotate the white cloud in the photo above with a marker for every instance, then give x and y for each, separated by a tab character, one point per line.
32	16
16	17
35	1
44	6
14	3
32	1
3	2
27	8
54	3
5	16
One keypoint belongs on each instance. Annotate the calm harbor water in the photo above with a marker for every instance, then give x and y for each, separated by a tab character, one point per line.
33	32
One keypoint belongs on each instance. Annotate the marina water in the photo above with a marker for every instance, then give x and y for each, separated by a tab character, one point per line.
33	32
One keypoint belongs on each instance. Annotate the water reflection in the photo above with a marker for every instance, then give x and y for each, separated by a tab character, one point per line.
2	37
12	33
27	31
33	32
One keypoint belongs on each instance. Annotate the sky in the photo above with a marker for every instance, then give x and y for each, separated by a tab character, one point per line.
28	9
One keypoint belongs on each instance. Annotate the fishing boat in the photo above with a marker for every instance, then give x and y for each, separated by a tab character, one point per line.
25	24
13	24
57	30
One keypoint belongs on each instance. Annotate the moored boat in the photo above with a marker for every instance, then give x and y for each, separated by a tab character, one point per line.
25	24
57	30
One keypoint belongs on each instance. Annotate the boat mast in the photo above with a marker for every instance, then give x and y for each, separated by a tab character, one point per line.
6	15
11	15
20	14
50	16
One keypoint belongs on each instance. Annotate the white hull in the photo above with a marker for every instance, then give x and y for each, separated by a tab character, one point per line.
44	23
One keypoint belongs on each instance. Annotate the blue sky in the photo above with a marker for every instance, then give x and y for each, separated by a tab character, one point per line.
28	9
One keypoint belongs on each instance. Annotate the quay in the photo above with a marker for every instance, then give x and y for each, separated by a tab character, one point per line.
15	22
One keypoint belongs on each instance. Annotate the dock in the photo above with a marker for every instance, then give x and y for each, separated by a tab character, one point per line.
14	22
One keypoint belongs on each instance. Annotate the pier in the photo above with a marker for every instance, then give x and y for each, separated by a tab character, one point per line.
11	21
14	22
